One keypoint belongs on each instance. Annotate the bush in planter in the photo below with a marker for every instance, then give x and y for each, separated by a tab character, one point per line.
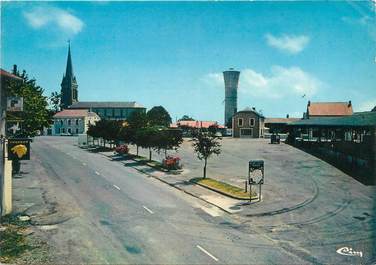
172	162
122	149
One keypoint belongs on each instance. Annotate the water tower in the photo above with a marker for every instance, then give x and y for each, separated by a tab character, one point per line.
231	78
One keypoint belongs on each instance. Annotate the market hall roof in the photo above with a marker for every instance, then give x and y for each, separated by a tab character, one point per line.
105	104
358	119
329	108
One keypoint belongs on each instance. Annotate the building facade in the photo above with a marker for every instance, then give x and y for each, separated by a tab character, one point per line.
73	122
248	123
5	78
348	142
69	87
110	110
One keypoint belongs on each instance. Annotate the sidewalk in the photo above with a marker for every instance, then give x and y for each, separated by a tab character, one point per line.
181	182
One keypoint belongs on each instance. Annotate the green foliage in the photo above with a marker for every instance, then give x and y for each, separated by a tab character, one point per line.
54	101
205	144
35	115
158	116
186	118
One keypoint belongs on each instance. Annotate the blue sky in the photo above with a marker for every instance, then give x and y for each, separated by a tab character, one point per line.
172	54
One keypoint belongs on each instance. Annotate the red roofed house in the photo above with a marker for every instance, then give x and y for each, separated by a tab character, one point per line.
73	121
188	126
328	109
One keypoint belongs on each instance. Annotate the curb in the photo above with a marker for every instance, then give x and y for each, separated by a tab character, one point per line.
225	194
178	188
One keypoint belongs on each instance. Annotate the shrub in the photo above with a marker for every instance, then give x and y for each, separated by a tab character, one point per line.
122	149
172	162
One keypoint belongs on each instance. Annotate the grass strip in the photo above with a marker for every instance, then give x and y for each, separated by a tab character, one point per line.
224	188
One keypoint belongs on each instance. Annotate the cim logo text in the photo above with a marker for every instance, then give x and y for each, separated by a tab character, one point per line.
349	252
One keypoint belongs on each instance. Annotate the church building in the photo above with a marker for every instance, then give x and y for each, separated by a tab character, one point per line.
105	110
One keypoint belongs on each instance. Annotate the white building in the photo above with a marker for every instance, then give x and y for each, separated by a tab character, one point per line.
73	121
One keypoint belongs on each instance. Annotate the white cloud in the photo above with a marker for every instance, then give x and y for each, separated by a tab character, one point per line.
288	43
51	16
281	82
214	79
366	105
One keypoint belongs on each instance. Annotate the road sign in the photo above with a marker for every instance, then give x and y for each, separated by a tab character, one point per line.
14	103
19	149
256	172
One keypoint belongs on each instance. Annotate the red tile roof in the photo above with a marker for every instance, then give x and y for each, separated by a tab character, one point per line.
7	74
281	120
196	124
73	113
329	108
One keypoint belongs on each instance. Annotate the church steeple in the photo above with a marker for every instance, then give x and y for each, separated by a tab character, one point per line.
69	70
69	93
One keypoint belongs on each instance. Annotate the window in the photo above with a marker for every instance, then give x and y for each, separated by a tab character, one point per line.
76	130
61	122
252	122
69	130
109	112
240	122
58	130
69	122
63	130
100	112
117	112
77	121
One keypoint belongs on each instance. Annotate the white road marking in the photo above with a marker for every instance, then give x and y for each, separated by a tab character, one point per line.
147	209
96	172
84	164
206	252
116	187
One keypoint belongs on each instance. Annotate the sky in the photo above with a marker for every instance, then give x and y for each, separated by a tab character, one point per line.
173	53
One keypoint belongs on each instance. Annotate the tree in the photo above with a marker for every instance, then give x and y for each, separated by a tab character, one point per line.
168	139
213	128
35	114
147	138
186	118
206	144
136	121
54	101
158	116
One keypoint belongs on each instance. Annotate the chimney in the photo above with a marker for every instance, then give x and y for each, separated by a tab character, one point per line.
349	105
287	116
309	103
14	69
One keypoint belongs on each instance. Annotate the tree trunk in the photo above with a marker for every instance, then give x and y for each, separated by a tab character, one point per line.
206	161
137	150
149	154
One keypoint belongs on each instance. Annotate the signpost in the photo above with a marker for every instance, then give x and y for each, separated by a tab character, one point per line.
255	176
18	149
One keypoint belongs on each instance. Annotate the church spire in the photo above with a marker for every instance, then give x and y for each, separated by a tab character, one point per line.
69	70
69	92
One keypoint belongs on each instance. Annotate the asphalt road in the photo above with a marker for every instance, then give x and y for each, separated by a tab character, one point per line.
125	217
118	215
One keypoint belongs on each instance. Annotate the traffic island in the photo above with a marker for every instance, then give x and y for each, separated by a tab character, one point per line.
224	188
